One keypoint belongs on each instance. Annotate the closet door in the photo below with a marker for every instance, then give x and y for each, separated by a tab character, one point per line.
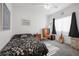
6	17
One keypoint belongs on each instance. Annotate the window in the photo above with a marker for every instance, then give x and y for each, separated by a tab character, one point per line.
63	25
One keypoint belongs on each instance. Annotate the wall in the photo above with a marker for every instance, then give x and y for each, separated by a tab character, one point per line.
19	12
29	12
0	16
5	35
65	12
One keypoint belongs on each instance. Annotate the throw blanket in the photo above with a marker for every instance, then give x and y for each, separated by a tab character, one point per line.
24	45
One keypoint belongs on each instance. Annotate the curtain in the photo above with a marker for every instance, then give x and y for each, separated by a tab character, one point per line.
53	29
73	28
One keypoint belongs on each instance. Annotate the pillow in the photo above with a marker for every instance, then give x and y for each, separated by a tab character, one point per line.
23	36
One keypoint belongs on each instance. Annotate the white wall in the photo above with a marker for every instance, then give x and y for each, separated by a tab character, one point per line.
65	12
5	36
34	13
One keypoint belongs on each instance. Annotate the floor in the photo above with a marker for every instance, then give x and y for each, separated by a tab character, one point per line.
64	49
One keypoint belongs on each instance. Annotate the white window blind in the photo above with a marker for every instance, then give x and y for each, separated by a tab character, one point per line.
63	25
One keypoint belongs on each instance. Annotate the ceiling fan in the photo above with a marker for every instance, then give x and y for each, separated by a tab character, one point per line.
47	5
50	5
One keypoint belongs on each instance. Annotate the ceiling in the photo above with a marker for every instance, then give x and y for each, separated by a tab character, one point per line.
40	6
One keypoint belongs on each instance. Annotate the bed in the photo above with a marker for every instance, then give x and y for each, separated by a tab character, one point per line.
24	45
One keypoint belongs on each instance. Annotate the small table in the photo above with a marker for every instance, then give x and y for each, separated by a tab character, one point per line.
51	37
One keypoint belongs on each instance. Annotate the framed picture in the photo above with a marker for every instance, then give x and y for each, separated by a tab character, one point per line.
26	22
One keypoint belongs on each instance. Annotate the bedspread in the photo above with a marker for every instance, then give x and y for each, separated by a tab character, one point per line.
24	45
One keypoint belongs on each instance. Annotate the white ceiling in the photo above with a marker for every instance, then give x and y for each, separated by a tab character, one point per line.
40	6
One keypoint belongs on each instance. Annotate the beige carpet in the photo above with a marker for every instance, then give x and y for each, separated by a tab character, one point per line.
57	49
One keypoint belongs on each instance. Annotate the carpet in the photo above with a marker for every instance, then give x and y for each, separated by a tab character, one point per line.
52	49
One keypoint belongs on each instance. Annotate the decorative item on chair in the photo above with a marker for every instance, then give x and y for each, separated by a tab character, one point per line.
61	38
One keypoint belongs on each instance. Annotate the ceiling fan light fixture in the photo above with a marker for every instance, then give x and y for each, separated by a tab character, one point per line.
47	6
